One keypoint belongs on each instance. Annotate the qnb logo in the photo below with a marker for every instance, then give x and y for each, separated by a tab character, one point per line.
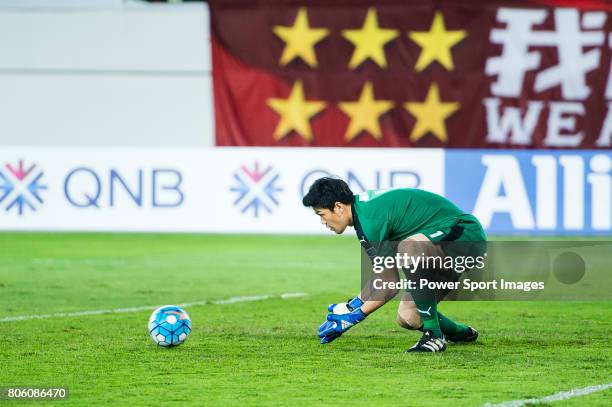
256	189
20	187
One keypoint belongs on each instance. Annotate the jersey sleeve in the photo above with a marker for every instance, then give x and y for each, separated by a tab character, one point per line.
378	233
376	230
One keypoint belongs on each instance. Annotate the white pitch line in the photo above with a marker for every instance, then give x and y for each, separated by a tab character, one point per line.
234	300
564	395
227	301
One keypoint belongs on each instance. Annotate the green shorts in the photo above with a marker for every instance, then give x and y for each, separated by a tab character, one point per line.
458	237
462	236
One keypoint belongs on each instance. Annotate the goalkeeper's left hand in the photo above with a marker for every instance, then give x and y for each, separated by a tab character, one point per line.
337	324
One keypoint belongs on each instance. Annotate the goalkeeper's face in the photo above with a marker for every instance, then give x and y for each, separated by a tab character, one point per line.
337	219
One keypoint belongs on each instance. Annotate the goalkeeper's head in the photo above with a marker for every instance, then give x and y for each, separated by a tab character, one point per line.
332	200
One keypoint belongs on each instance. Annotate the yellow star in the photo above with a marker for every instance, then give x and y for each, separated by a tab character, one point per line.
365	113
430	115
300	39
295	113
369	41
436	44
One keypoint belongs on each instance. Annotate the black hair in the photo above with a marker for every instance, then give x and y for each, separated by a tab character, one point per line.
325	192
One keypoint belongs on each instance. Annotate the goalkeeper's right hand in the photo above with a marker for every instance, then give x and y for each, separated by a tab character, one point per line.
340	319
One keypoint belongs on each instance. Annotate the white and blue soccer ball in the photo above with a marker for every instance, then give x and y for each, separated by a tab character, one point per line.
169	326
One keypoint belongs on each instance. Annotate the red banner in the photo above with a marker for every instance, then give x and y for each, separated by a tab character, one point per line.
474	74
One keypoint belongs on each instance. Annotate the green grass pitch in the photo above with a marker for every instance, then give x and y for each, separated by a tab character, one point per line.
266	352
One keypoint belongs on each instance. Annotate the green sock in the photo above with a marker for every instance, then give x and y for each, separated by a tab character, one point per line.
426	304
428	310
450	327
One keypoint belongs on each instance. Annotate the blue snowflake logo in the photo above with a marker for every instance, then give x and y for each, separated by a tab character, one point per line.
256	189
20	187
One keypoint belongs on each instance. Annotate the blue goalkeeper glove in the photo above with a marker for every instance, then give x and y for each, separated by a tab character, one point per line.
337	324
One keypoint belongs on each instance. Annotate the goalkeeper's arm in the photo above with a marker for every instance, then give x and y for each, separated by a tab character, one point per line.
374	298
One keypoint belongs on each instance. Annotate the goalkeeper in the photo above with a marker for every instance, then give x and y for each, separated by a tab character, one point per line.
409	222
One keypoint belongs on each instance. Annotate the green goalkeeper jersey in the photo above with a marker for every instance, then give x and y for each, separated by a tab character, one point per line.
395	214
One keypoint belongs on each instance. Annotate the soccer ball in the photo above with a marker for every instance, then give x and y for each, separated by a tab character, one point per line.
169	326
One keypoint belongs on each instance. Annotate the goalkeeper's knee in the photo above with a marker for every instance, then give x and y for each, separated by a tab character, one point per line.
412	322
